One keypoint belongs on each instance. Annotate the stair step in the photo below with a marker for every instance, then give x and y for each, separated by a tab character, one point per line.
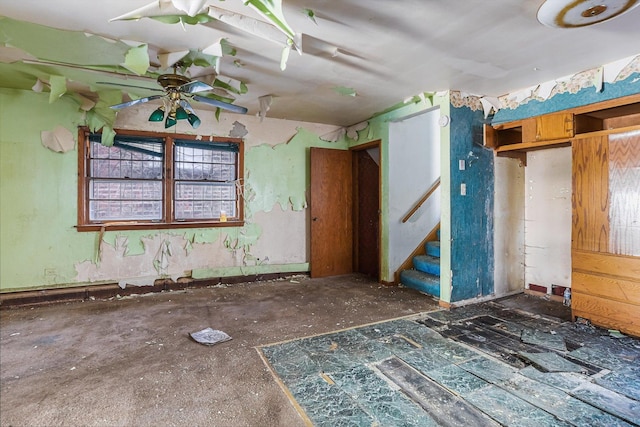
427	264
433	248
423	282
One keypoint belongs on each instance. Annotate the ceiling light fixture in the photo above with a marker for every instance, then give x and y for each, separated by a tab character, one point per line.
580	13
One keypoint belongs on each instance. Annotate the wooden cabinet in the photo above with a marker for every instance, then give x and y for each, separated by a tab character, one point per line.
548	127
516	138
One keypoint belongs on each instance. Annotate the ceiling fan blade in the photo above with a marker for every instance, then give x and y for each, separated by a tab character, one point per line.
194	86
220	104
126	85
136	101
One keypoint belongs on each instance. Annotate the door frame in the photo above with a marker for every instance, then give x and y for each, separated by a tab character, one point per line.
355	186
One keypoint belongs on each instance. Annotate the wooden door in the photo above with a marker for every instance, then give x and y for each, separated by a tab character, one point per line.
331	202
367	212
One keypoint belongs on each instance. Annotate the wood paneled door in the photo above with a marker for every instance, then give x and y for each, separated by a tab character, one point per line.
331	203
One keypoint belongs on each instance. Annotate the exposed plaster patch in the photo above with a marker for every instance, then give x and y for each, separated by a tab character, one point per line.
489	104
265	104
161	260
59	140
461	99
38	86
164	255
335	135
352	131
349	131
285	230
239	130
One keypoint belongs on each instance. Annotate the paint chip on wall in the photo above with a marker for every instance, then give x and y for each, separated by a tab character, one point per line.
59	140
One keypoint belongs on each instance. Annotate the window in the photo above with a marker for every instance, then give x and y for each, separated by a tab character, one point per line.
159	181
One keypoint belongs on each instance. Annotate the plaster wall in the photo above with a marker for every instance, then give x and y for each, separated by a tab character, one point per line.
548	218
509	226
414	165
41	248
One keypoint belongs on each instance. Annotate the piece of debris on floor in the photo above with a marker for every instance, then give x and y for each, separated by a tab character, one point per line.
209	336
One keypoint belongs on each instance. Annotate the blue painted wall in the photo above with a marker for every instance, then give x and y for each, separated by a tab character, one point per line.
563	101
471	215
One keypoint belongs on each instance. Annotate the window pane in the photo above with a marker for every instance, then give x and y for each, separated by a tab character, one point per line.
125	181
203	164
204	181
124	162
109	210
125	199
202	200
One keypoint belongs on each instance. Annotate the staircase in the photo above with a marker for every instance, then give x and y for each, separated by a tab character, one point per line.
425	275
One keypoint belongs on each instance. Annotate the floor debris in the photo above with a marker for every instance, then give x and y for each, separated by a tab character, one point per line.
209	336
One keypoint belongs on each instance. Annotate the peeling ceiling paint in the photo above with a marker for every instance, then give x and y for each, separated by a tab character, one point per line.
384	52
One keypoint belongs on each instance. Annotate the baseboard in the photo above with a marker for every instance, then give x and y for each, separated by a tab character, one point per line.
544	295
444	304
105	291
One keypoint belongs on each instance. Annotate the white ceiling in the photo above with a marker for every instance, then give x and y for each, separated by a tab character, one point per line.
388	50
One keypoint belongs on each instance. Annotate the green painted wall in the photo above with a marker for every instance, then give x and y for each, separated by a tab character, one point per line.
40	246
37	194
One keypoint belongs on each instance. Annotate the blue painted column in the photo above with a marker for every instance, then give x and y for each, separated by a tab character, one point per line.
472	259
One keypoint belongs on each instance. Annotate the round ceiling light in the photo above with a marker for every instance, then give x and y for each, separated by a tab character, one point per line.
580	13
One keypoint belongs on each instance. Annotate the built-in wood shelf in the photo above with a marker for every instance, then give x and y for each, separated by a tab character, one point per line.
514	139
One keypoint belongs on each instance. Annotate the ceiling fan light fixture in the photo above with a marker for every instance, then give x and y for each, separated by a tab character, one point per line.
194	120
181	113
157	115
170	121
580	13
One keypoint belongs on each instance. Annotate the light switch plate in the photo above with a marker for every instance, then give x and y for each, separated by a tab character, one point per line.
463	189
461	164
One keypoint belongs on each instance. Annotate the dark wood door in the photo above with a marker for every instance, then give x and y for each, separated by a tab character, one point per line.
331	201
367	212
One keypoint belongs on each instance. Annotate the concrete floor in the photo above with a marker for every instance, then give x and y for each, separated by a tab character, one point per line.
131	362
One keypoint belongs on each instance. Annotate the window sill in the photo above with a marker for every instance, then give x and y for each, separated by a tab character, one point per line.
122	225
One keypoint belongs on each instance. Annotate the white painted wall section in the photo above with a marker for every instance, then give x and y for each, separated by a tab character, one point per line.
509	209
414	165
548	218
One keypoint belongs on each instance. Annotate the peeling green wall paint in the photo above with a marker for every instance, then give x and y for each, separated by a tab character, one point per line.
279	174
40	246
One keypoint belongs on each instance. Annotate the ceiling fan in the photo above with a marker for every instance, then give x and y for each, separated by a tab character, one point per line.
178	89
